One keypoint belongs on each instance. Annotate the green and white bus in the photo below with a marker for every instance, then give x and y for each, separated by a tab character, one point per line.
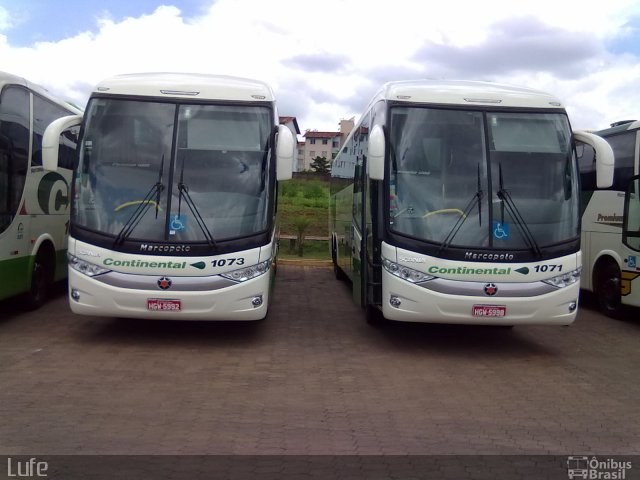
459	202
611	222
174	197
34	204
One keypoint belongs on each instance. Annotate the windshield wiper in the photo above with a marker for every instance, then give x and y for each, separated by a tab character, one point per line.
507	201
184	192
477	198
133	221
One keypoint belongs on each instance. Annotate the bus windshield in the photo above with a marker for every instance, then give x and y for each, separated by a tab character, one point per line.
154	171
476	179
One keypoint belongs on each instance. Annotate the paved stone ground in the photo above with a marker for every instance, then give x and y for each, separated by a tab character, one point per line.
314	378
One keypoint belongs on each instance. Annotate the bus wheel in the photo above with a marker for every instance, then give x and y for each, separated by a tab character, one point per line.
374	316
337	271
41	276
607	290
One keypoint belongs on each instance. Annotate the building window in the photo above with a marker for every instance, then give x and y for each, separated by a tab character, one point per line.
312	141
312	154
324	154
325	141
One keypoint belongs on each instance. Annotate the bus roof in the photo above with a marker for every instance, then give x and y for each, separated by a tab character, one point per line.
631	125
187	85
463	92
11	79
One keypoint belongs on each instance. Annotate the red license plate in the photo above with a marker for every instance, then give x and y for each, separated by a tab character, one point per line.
161	305
489	311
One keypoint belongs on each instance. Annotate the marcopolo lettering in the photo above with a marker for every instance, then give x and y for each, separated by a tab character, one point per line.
488	256
110	262
164	248
434	269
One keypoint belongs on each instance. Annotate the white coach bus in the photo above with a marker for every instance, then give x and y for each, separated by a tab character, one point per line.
611	222
34	204
174	197
459	202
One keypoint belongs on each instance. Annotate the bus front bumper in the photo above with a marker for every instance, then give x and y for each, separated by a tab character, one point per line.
408	302
241	301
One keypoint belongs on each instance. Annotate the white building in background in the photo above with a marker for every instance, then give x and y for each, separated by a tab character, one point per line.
322	144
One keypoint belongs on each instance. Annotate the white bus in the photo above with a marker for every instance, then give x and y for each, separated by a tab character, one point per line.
174	197
459	202
610	223
34	204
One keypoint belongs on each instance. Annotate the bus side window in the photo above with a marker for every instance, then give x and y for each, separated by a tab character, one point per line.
624	146
587	165
68	144
44	112
14	150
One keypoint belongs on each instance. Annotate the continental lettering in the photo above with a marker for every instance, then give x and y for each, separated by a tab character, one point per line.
164	248
488	256
435	270
110	262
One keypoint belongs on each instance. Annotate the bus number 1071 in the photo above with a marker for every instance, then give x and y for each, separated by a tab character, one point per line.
548	268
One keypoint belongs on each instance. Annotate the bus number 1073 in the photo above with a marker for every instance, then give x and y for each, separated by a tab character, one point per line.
227	262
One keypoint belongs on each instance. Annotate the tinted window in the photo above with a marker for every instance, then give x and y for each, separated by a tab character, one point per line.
587	164
14	150
45	112
624	146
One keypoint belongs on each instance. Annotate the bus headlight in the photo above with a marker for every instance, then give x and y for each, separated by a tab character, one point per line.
406	273
247	273
565	279
86	268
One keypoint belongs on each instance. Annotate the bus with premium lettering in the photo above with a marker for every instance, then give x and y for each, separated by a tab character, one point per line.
459	202
34	204
174	197
611	222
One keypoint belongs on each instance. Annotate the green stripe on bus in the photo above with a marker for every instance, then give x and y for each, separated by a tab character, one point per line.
14	276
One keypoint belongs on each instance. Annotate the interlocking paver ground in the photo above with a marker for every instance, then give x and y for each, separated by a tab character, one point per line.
314	378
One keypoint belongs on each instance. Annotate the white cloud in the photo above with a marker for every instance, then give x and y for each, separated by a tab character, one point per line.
5	20
325	61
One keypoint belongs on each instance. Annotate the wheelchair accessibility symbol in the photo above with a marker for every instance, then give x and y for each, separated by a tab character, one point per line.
178	223
500	231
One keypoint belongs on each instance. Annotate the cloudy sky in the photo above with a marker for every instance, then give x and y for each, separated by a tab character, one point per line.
325	59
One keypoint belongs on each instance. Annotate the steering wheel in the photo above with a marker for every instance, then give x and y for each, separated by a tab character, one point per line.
444	211
136	202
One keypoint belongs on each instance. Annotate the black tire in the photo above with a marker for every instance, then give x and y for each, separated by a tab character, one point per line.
374	316
607	290
337	271
41	279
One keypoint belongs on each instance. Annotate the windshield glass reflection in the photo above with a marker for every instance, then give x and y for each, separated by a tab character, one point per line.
440	160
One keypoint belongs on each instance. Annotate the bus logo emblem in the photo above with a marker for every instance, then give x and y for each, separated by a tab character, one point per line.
164	283
490	289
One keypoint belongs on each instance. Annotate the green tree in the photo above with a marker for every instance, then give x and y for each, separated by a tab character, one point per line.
300	224
320	165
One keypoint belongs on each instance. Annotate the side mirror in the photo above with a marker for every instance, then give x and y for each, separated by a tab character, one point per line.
51	140
605	160
375	155
285	151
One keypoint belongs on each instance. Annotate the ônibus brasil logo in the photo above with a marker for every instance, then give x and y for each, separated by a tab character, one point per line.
596	469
